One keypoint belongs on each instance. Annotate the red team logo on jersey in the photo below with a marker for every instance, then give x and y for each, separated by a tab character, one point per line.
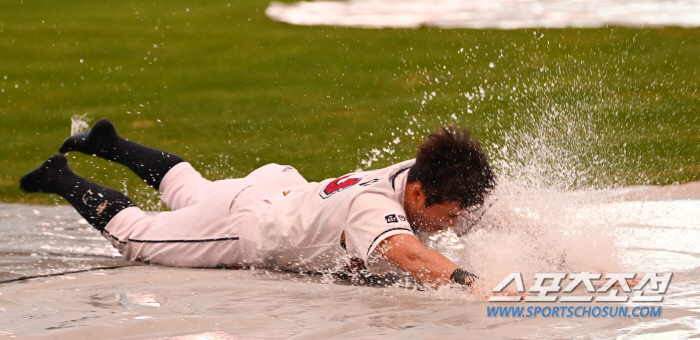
340	184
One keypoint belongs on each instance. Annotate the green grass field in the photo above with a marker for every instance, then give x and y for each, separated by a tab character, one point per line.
230	90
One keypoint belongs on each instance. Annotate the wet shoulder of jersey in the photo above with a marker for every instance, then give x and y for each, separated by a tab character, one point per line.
364	179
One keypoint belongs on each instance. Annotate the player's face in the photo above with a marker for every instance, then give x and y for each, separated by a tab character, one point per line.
439	216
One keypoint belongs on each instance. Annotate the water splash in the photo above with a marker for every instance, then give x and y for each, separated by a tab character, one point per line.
533	225
548	169
531	231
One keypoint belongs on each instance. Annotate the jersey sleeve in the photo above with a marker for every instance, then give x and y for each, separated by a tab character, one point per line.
373	218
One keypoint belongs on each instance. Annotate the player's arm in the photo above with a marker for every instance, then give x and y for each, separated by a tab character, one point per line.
425	265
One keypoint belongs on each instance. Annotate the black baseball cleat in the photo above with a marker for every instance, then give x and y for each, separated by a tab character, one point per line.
42	178
92	141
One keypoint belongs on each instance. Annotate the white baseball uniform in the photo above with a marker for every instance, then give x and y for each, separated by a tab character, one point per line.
271	218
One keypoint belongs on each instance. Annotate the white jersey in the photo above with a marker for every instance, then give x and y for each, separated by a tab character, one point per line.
302	228
271	218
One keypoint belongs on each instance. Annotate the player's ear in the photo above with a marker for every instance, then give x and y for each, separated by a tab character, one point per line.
418	193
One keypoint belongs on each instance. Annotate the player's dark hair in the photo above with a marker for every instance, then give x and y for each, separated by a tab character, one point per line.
452	167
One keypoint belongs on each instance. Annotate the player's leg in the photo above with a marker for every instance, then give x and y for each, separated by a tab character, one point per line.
103	141
97	204
216	231
207	234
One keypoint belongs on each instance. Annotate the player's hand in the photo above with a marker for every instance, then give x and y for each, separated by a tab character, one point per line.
630	283
479	291
483	293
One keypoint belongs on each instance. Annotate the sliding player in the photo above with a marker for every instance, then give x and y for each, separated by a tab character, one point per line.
274	218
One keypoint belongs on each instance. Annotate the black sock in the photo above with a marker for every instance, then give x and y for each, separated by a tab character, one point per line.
102	141
95	203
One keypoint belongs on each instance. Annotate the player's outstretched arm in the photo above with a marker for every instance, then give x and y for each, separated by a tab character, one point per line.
410	255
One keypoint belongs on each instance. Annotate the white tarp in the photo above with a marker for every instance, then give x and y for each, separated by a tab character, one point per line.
506	14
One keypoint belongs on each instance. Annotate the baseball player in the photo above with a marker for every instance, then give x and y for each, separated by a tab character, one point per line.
274	218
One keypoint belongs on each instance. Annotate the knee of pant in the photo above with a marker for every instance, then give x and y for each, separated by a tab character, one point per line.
125	223
182	186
